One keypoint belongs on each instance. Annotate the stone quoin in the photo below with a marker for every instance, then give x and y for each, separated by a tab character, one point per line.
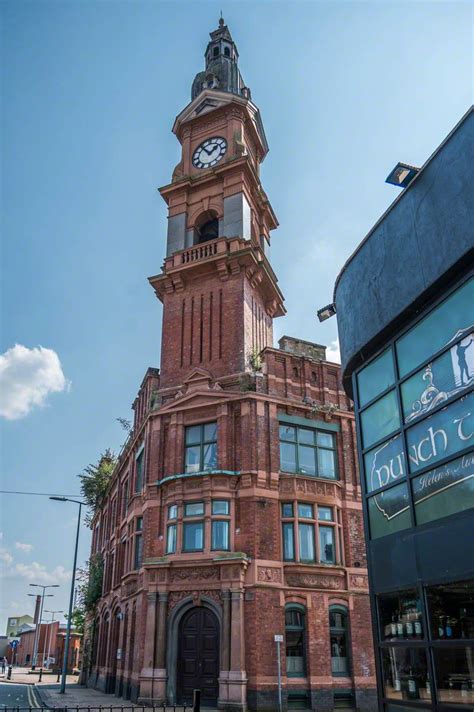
234	512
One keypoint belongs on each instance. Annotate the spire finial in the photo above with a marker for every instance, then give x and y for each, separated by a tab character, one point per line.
221	20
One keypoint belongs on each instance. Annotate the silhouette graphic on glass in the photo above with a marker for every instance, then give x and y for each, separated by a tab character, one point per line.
461	354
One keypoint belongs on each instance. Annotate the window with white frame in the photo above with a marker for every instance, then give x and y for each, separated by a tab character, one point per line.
311	533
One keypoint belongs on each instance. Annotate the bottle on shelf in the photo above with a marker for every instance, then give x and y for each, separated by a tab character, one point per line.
400	626
417	626
441	627
462	622
409	624
449	628
428	686
393	625
413	690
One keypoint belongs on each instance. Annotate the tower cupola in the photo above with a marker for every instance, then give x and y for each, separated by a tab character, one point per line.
222	72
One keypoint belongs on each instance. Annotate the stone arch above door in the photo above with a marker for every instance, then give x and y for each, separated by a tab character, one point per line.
173	626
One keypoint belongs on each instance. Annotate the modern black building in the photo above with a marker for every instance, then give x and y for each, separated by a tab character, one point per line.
405	306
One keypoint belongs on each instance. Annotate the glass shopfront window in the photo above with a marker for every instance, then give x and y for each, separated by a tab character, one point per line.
389	511
411	446
451	611
400	616
444	490
405	673
376	377
437	329
380	419
454	670
441	435
385	464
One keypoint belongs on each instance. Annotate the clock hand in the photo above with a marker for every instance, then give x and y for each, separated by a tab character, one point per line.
213	148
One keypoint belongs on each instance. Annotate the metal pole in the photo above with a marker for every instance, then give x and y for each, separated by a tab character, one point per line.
49	638
69	615
279	675
38	630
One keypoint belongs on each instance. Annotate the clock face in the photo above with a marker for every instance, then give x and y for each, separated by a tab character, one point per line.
209	152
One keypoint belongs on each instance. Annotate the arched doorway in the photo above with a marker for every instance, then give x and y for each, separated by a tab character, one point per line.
198	656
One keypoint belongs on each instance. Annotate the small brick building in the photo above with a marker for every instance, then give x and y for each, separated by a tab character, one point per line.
51	641
234	513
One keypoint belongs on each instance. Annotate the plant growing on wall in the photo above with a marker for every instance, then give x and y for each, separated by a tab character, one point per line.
255	360
95	481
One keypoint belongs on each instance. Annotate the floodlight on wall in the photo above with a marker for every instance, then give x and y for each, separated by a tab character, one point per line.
402	175
326	312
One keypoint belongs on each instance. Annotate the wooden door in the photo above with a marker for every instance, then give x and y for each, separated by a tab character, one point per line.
198	656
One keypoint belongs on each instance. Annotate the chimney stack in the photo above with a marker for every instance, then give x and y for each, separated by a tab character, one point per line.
37	609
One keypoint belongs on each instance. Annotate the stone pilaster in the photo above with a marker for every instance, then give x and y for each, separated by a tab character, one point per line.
237	677
153	675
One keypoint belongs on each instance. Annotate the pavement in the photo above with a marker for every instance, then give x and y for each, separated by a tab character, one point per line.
25	690
24	676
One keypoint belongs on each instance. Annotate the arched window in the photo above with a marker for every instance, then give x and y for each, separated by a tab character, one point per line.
227	51
215	52
208	231
339	640
295	639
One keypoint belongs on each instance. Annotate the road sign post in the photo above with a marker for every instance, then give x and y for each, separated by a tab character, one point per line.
278	640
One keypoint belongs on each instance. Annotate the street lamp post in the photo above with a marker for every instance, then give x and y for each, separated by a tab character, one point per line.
38	624
62	689
53	613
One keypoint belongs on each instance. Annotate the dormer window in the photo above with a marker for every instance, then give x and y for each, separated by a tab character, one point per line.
215	52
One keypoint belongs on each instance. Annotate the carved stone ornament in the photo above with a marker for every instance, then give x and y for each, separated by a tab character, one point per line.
314	581
358	581
200	574
268	574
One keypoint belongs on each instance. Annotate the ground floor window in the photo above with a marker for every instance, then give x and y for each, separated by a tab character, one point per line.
427	643
339	640
295	638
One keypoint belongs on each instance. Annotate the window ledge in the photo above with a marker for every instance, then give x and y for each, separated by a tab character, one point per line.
203	473
334	481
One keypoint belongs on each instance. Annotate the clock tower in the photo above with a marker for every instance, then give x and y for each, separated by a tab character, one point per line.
233	518
218	290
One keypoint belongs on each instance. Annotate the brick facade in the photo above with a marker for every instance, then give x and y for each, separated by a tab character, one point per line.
218	366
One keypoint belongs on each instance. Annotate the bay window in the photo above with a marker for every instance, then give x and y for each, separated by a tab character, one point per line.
310	533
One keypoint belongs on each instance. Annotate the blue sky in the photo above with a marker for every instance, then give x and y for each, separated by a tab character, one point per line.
90	92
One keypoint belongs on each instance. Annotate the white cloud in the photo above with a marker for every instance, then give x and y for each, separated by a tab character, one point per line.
27	377
6	557
40	574
24	547
333	353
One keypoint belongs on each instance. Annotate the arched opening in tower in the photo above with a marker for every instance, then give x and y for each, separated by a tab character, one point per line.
206	229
